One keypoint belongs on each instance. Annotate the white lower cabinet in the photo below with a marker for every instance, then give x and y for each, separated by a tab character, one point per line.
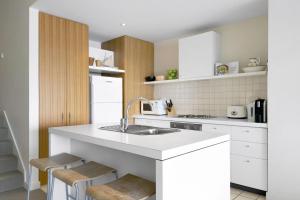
249	151
250	172
216	128
249	134
254	150
249	154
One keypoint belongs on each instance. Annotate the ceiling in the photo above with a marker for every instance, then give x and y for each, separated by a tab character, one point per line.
152	20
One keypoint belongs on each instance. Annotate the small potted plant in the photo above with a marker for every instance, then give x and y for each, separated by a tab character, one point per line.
172	74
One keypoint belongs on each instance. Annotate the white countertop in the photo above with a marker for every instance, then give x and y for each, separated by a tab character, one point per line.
158	147
216	120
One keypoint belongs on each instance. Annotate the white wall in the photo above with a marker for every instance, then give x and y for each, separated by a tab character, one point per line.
244	40
14	69
94	44
165	56
34	91
284	98
239	41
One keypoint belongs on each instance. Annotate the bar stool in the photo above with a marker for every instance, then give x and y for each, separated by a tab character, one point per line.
85	173
128	187
47	164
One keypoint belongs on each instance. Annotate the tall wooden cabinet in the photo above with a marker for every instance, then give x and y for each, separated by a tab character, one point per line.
63	76
136	57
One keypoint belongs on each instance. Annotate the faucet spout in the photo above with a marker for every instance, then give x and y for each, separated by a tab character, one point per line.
124	121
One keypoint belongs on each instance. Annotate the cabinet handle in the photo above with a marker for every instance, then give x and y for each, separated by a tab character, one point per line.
69	118
247	161
62	117
215	128
247	146
246	131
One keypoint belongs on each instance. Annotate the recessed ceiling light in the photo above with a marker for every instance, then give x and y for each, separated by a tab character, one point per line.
123	24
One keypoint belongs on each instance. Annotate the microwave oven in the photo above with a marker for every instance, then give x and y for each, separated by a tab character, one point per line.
153	107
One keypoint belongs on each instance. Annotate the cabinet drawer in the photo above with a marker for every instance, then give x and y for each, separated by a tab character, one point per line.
150	122
249	172
254	150
216	128
257	135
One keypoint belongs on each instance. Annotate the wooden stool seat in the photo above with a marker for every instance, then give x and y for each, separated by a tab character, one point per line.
47	165
85	172
128	187
59	160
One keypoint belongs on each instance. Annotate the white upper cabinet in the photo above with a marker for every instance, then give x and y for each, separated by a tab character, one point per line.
198	55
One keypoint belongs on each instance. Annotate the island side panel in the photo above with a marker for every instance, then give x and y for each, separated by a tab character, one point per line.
58	144
124	162
202	174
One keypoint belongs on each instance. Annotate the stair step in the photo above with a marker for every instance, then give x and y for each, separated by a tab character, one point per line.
11	180
5	147
8	163
3	133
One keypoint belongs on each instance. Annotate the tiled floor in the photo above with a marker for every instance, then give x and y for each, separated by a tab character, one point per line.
237	194
19	194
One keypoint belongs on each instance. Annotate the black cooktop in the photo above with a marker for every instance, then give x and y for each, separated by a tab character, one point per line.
189	116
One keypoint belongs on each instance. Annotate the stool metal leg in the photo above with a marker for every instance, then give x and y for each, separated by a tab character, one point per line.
29	182
49	184
76	191
116	174
87	197
52	188
87	184
67	192
67	189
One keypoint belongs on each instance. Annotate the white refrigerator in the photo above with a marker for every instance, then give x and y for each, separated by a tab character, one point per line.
106	99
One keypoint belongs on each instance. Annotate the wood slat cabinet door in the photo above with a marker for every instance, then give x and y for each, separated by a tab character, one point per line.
52	78
139	62
77	73
136	57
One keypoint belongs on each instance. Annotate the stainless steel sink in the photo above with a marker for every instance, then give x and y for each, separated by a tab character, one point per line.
141	130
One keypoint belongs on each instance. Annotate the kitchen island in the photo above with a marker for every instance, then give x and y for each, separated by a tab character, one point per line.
189	165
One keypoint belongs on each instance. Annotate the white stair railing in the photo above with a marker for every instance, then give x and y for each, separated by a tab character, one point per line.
5	122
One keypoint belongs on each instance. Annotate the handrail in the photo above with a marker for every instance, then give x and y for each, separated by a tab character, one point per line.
15	144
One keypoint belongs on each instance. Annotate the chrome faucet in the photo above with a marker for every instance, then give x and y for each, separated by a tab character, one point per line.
124	120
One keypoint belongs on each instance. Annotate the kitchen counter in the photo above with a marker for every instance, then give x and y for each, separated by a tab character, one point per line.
158	147
216	120
179	163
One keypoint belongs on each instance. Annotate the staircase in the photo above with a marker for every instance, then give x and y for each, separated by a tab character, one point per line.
10	177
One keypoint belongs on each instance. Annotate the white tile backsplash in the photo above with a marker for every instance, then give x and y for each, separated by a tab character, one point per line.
211	97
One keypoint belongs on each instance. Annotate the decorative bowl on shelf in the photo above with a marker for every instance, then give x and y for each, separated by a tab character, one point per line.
99	63
254	69
160	78
150	78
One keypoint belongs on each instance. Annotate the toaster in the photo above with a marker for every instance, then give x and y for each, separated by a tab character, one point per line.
236	112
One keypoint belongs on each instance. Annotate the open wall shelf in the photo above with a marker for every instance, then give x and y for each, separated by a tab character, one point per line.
105	70
262	73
